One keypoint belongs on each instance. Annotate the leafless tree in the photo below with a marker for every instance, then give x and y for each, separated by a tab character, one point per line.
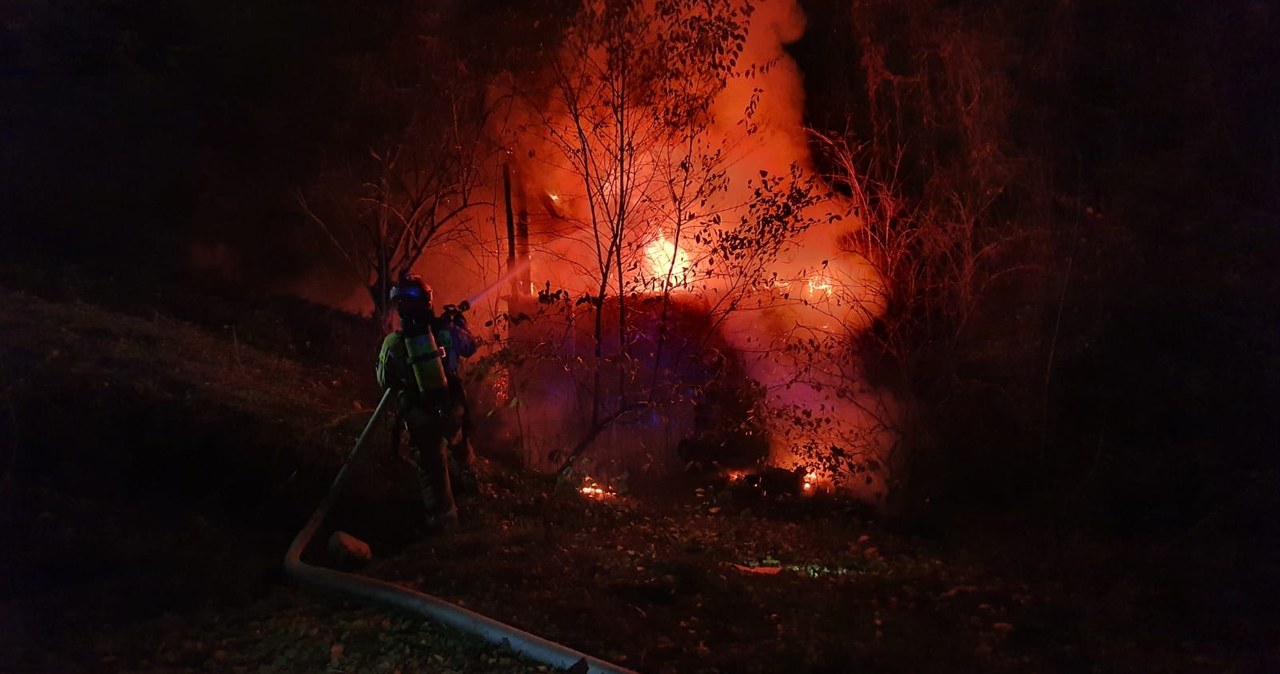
414	184
634	89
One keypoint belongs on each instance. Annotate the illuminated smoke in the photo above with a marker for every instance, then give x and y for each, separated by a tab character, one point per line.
832	294
824	295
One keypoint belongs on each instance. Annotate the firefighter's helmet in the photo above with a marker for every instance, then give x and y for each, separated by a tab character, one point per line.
411	288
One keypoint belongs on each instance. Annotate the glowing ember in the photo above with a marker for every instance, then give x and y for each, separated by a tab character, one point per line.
592	489
502	386
554	197
810	482
667	261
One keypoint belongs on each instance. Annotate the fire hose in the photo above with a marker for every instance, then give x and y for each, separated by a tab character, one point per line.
433	608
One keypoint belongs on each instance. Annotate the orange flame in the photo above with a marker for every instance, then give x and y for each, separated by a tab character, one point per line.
820	285
592	489
667	261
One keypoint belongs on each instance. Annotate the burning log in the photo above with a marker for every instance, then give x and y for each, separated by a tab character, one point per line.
592	489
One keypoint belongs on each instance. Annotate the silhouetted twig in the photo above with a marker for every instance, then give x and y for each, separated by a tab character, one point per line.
594	432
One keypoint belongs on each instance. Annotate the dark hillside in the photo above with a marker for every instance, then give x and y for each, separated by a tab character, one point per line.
154	473
280	325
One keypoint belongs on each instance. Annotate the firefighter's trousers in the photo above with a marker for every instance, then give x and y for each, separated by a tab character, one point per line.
429	427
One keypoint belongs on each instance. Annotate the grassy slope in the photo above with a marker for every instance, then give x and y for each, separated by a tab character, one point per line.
155	473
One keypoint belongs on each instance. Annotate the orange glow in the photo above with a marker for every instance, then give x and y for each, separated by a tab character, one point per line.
667	261
814	289
592	489
502	386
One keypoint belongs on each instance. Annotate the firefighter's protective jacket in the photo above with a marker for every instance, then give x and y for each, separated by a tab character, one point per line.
393	369
393	364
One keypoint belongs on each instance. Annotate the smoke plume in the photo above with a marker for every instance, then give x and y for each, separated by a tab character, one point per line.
795	333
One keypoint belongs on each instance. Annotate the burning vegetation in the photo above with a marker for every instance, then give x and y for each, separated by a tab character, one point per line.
909	283
654	184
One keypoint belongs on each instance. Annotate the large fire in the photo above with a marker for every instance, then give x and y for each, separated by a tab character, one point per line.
601	216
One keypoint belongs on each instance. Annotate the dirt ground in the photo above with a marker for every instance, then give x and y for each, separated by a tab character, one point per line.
155	471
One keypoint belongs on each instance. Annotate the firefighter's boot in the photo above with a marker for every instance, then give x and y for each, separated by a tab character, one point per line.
462	475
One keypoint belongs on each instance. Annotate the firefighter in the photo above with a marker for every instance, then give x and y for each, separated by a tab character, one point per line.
415	361
452	330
